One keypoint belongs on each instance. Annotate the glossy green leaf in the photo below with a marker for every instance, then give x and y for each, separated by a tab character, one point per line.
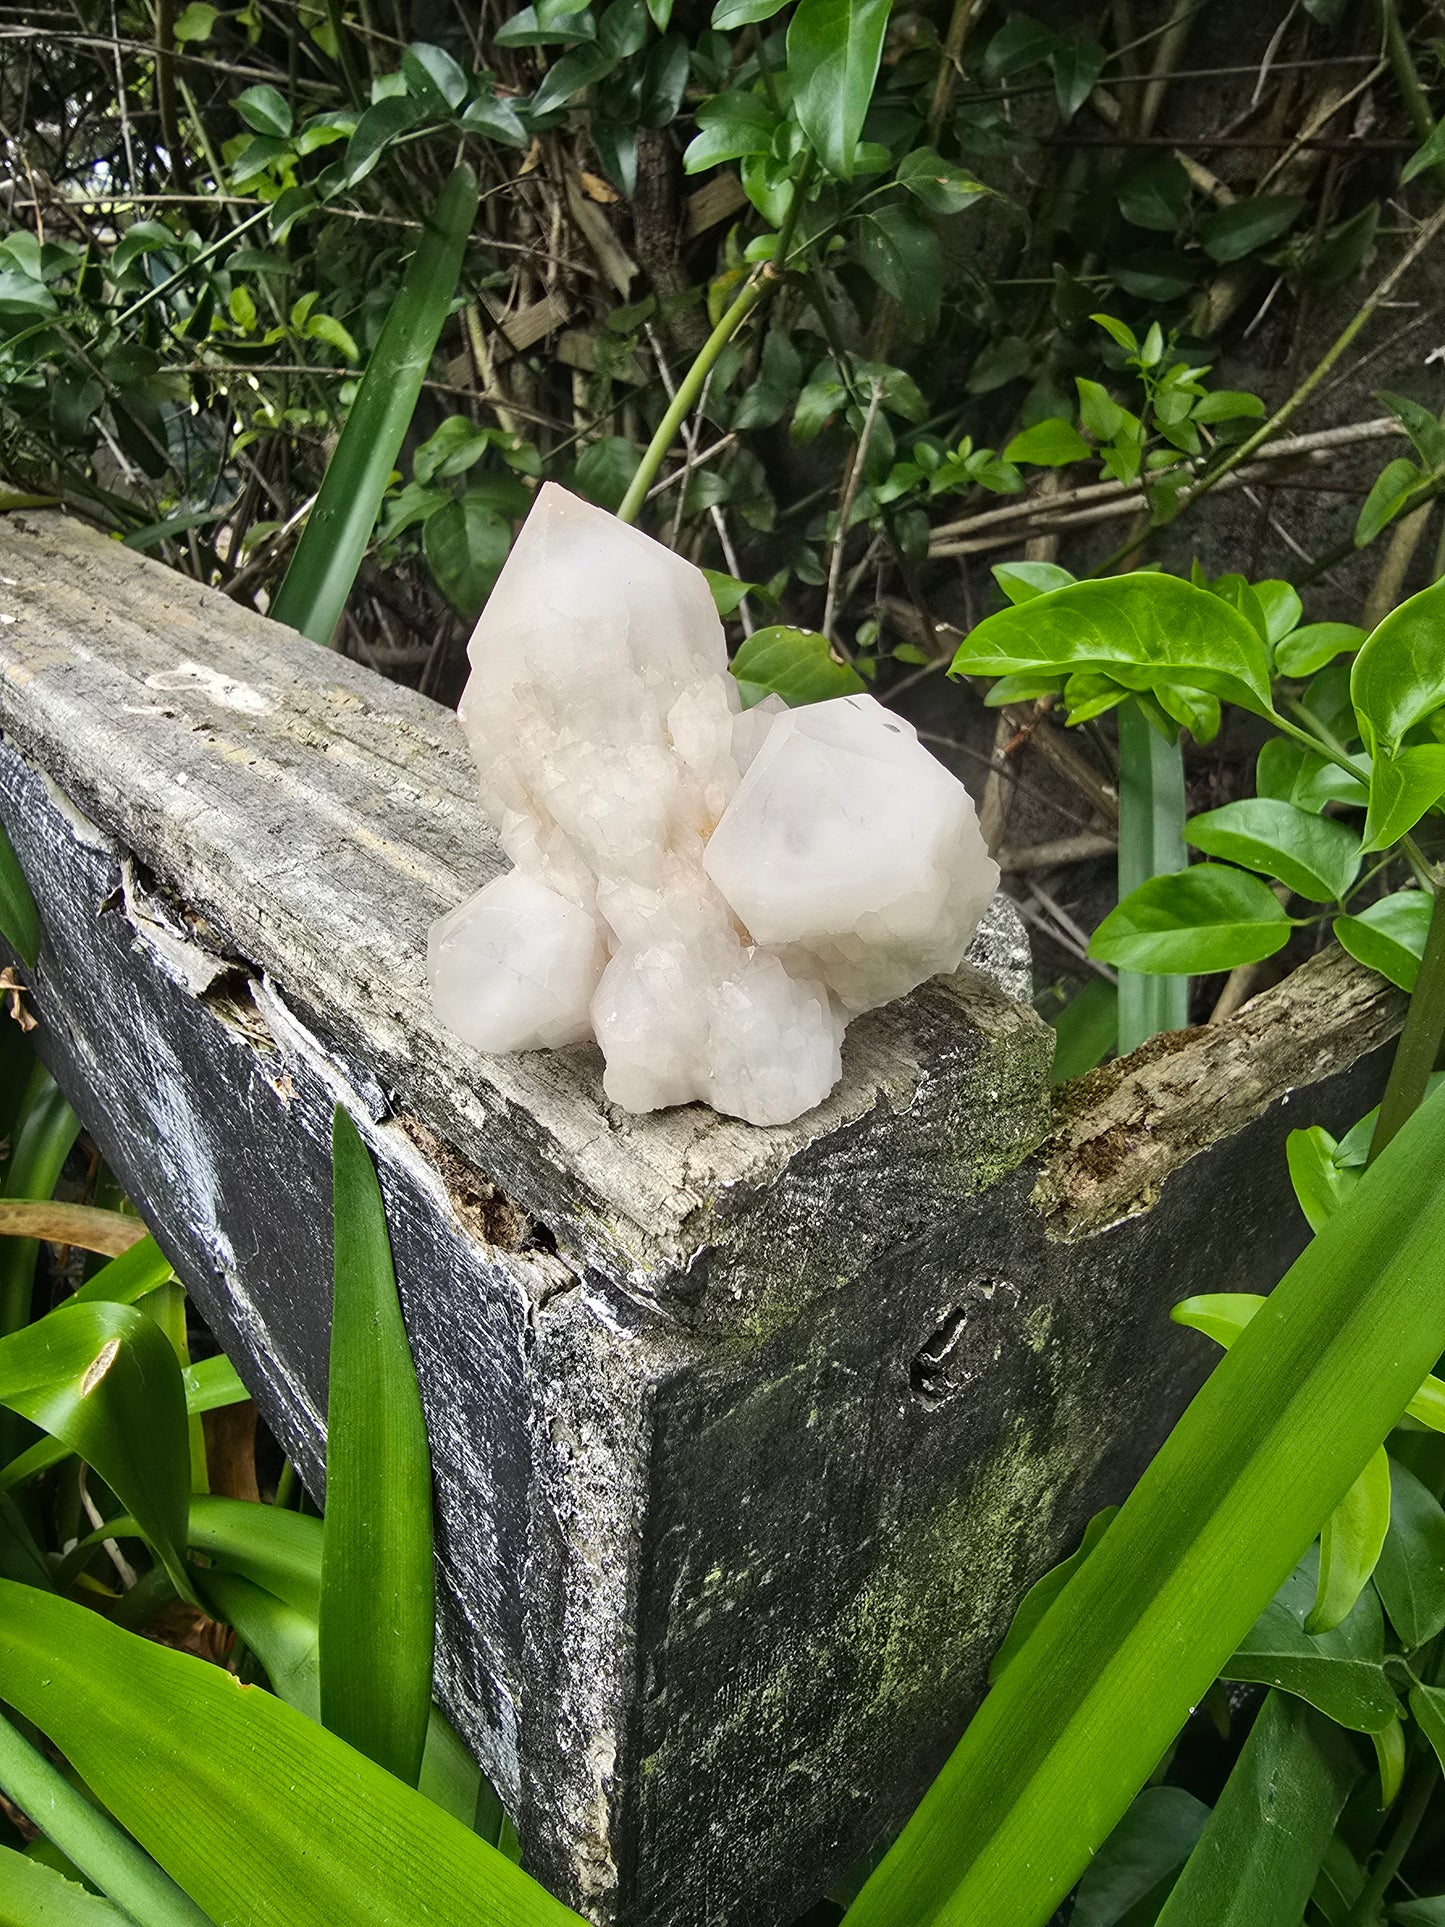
796	664
730	126
1426	432
91	1842
1044	1591
1048	444
1340	1671
1389	936
1427	1703
728	592
1321	1184
313	594
1202	919
834	47
1154	1837
1392	489
1427	1912
377	1587
1291	773
1152	193
1023	581
35	1896
943	186
604	470
1350	1543
258	1814
1223	1315
1226	405
1312	855
265	110
1085	1030
1260	1853
899	249
1143	629
1410	1577
1216	1524
1076	67
433	77
495	118
1399	674
1404	784
378	127
1230	233
1390	1758
728	14
103	1379
1281	607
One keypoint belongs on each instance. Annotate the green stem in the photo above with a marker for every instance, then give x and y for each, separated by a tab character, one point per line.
89	1839
1420	1040
1151	843
752	294
1407	1824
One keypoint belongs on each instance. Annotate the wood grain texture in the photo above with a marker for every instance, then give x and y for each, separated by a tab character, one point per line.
314	819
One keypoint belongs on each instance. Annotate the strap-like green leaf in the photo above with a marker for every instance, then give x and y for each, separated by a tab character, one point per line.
377	1584
1350	1543
46	1131
258	1814
32	1895
1268	1448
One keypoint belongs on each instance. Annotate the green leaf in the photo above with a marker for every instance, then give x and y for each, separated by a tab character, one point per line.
1118	331
1076	66
258	1814
265	110
1223	1315
1427	1703
1398	677
195	22
1312	855
104	1380
1048	444
1280	606
1394	485
1042	1594
433	77
378	127
834	47
1426	433
900	250
1020	43
1350	1543
796	664
1389	936
465	546
1225	1510
1151	844
451	449
313	593
730	126
1144	630
1199	920
1410	1577
1295	775
1098	410
1230	233
36	1896
89	1840
1154	1837
41	1141
1085	1030
1022	581
1226	405
604	470
19	919
1430	154
1261	1850
728	14
1321	1184
943	186
1419	1913
1340	1672
495	119
727	591
1310	648
377	1589
1153	194
568	76
1404	784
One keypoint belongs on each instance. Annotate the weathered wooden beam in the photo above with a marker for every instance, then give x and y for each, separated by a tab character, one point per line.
746	1442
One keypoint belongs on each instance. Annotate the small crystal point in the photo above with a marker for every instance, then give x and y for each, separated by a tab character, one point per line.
710	894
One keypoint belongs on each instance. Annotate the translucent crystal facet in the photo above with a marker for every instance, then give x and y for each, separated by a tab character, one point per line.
710	894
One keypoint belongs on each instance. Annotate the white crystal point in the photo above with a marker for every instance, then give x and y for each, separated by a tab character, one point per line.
709	894
852	852
515	966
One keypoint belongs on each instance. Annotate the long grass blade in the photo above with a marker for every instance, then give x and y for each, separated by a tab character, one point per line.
377	1586
43	1139
1285	1424
32	1895
328	555
84	1835
1151	844
255	1812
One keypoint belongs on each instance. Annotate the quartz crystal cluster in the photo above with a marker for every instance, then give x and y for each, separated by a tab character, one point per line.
711	893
